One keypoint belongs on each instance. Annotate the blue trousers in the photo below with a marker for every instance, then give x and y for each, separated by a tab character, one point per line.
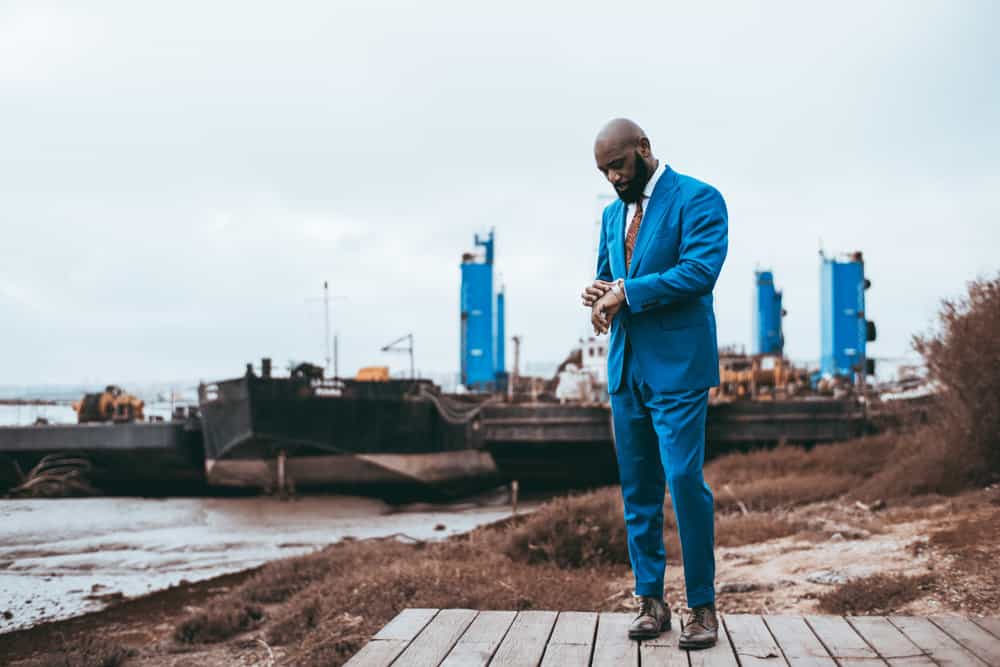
660	442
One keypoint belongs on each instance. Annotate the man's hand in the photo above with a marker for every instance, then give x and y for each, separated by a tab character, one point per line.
592	293
604	310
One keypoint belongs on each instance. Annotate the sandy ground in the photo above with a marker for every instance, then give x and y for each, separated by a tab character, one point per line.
786	575
848	542
62	558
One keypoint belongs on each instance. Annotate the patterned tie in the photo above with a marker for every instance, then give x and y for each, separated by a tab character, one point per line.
633	231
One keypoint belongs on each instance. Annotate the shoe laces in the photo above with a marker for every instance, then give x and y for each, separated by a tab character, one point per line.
646	606
699	616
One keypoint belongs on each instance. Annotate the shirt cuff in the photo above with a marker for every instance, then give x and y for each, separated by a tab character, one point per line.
625	292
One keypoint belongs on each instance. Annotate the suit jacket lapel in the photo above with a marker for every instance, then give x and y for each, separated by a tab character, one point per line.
659	204
616	241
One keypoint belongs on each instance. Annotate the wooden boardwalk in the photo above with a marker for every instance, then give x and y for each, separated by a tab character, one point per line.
466	637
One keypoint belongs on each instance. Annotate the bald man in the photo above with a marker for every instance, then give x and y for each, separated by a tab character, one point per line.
662	246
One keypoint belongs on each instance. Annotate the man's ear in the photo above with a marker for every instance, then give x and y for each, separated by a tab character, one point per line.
645	150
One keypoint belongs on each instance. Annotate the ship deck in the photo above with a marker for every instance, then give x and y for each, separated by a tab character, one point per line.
469	637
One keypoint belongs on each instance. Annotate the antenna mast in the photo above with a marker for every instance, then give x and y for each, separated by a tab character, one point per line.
395	346
326	332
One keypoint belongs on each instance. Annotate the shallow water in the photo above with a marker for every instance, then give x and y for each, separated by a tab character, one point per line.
61	558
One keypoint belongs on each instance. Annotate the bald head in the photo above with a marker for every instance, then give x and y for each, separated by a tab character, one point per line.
621	132
625	157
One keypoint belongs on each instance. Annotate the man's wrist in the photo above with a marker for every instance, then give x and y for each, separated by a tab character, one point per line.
618	289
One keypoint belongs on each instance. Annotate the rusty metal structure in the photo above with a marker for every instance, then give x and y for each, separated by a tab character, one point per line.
111	405
757	377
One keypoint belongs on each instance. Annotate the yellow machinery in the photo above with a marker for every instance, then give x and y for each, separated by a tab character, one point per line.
373	374
758	377
111	405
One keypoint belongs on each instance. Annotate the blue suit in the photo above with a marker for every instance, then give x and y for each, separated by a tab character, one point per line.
662	359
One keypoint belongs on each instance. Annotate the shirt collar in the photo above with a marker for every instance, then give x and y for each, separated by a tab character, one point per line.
647	192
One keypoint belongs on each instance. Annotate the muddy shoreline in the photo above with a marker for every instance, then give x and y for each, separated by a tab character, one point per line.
140	619
63	557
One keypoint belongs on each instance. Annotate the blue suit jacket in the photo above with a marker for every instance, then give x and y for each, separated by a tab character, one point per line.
669	320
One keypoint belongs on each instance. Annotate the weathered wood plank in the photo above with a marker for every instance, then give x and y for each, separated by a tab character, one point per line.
971	636
989	623
393	638
436	640
664	655
406	625
613	648
378	653
467	638
846	646
481	639
944	650
572	639
571	655
797	641
752	641
574	627
525	641
663	650
889	642
720	655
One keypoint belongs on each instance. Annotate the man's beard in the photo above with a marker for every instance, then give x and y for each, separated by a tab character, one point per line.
634	190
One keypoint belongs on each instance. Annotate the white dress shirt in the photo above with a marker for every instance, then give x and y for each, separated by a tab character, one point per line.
647	192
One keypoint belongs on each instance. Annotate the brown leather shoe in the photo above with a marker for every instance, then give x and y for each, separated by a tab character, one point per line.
702	628
653	618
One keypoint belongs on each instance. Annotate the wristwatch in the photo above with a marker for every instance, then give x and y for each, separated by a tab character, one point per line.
618	289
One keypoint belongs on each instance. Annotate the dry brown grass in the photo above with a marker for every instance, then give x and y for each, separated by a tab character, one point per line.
324	606
88	652
366	583
876	594
967	535
220	620
578	531
736	530
858	458
788	476
283	579
301	619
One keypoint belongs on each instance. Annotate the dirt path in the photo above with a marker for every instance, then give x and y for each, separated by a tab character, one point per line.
788	575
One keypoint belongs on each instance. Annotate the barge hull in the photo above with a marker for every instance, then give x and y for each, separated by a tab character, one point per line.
137	457
572	446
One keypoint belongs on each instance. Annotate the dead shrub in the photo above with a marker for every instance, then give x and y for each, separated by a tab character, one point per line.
769	493
969	536
960	446
91	651
578	531
963	357
279	580
924	463
876	594
858	458
303	618
221	620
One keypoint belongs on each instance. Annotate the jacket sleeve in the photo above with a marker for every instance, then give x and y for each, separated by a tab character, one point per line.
703	246
603	262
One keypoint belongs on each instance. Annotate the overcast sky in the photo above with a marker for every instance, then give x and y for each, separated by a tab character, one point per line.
178	179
